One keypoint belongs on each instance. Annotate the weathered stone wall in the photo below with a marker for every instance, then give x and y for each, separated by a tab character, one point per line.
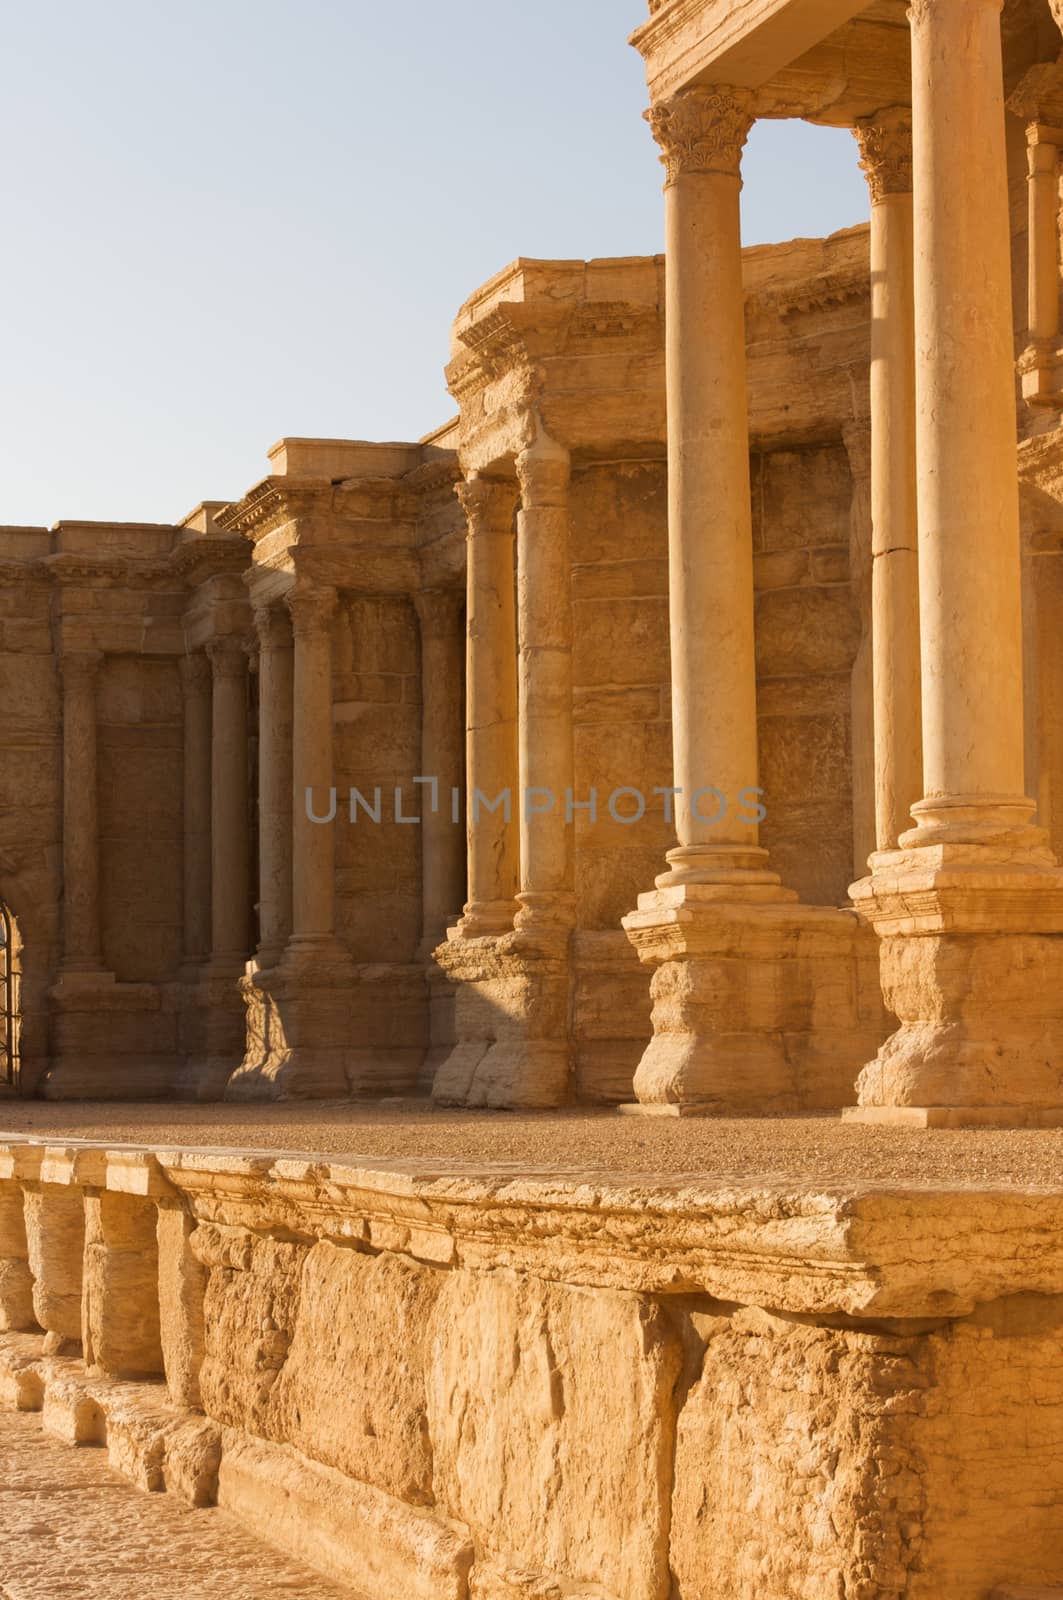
535	1388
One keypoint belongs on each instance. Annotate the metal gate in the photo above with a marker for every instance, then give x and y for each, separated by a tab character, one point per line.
9	1016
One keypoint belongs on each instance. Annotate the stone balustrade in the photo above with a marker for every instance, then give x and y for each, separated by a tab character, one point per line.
458	1385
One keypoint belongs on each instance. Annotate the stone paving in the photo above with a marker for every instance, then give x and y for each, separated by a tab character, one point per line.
72	1529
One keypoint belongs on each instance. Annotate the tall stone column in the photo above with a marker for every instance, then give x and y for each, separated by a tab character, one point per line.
229	840
313	850
545	762
701	133
491	709
736	959
440	615
81	858
885	142
1038	100
970	908
196	689
274	782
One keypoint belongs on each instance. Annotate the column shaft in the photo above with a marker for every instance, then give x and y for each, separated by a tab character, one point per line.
491	709
439	613
1042	151
969	560
196	687
710	545
81	863
885	147
313	848
275	675
544	686
230	878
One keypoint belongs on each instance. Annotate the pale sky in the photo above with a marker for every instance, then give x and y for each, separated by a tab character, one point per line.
228	221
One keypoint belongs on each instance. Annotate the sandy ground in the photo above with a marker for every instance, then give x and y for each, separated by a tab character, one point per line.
801	1150
71	1529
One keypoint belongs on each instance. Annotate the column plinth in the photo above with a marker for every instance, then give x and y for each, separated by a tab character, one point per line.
969	907
736	957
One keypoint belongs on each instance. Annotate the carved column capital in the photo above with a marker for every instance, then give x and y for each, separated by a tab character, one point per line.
885	142
195	671
488	504
1038	97
702	130
228	655
79	667
543	471
273	626
311	609
439	612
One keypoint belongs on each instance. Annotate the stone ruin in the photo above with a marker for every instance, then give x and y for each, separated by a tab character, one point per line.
677	729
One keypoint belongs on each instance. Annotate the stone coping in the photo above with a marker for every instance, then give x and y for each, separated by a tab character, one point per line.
869	1251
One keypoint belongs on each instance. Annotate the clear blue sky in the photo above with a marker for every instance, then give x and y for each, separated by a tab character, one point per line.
226	221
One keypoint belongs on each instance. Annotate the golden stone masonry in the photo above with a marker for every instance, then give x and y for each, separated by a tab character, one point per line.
678	730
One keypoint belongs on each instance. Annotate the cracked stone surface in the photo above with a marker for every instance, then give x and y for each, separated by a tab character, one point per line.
72	1529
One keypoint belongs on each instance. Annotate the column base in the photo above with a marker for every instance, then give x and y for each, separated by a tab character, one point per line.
511	1022
761	1005
320	1026
971	955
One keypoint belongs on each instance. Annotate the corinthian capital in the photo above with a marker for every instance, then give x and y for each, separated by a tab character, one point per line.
702	130
543	473
228	656
311	610
273	626
487	504
885	143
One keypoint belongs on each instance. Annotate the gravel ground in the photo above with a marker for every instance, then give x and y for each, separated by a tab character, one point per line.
810	1150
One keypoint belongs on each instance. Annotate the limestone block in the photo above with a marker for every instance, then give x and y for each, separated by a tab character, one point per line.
16	1282
801	498
623	509
494	1580
805	631
797	1471
55	1239
551	1414
620	640
351	1392
182	1286
350	1531
250	1310
120	1313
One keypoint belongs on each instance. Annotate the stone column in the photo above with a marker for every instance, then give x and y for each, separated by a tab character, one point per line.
885	142
1038	100
737	961
196	687
439	613
710	543
491	709
229	831
545	759
274	782
313	851
81	861
970	908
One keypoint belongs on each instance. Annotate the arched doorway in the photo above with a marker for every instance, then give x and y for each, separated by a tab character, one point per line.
10	974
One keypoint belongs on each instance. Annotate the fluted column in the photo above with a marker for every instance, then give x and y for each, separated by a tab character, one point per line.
968	510
710	546
196	690
81	860
885	142
313	849
273	627
544	686
229	852
491	709
440	615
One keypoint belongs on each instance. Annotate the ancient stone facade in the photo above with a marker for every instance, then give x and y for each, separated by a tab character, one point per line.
534	762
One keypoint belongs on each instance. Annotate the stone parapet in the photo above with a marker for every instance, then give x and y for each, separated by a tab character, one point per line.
525	1382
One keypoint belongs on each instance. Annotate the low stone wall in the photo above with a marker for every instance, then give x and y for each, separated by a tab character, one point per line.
507	1385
